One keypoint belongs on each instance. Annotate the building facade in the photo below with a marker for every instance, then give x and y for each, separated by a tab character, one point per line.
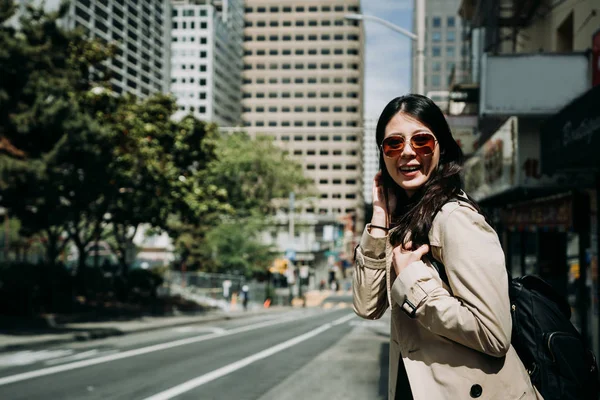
303	86
141	28
535	169
206	59
370	158
444	49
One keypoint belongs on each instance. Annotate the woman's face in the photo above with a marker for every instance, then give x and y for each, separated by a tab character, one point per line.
409	169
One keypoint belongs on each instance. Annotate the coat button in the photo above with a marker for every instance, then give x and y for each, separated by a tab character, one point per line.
476	391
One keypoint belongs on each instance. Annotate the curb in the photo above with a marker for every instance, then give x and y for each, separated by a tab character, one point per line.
102	333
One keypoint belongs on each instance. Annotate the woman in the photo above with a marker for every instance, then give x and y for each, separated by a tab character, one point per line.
450	337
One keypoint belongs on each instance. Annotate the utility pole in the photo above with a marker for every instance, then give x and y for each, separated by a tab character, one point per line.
419	37
291	242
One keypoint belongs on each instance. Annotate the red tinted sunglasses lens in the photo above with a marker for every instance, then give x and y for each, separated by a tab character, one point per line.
392	146
423	144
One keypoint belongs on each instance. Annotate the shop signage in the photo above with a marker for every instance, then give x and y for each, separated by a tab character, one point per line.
465	95
550	213
491	169
566	212
571	138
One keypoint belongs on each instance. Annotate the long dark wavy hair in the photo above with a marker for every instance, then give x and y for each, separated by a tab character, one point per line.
413	216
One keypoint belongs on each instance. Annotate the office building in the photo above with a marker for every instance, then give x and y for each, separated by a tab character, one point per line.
206	59
303	85
444	50
142	30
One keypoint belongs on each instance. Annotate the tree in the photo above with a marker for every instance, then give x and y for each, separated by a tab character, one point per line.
234	246
45	72
197	201
254	172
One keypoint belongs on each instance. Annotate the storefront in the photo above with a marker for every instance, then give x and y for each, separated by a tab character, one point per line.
550	237
570	144
535	178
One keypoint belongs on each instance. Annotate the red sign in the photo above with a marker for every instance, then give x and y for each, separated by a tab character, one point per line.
596	58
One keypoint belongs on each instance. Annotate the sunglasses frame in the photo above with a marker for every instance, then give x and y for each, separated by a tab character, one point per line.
408	140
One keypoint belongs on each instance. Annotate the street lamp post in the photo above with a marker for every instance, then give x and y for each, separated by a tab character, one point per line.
419	37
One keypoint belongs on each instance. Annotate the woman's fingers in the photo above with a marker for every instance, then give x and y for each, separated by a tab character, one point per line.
421	251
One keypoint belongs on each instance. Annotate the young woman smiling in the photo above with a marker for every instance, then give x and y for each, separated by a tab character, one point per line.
450	338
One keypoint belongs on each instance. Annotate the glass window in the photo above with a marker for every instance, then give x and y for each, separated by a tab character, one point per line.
450	51
436	51
451	36
436	22
451	22
436	66
436	37
435	80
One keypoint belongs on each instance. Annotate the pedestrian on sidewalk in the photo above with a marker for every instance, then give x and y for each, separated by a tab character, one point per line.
450	336
245	296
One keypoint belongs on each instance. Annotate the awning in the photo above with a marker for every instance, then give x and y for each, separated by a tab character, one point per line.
570	139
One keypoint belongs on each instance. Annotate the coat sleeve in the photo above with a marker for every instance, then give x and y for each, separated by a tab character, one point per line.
368	280
477	313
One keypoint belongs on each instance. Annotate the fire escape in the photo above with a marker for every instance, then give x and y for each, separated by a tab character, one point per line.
502	19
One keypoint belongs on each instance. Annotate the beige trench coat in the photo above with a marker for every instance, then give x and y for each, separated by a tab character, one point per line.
454	341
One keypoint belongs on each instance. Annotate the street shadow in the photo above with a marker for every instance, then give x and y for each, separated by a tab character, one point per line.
384	363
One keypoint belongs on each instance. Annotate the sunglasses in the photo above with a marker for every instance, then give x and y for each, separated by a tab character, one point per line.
422	143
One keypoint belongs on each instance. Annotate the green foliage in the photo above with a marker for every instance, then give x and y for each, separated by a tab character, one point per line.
52	151
254	172
79	163
234	246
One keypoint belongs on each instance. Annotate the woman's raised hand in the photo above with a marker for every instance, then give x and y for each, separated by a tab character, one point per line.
381	212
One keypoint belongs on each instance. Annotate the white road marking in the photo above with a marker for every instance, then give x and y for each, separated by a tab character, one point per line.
80	356
31	357
144	350
188	329
211	376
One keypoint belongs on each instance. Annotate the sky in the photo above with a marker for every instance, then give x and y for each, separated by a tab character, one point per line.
387	53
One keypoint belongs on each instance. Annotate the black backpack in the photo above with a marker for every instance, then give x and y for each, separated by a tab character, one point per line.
560	364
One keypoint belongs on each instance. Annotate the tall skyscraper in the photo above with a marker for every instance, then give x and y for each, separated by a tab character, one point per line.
142	30
303	85
444	49
207	59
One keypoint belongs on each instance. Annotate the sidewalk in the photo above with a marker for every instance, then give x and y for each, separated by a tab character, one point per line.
73	332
